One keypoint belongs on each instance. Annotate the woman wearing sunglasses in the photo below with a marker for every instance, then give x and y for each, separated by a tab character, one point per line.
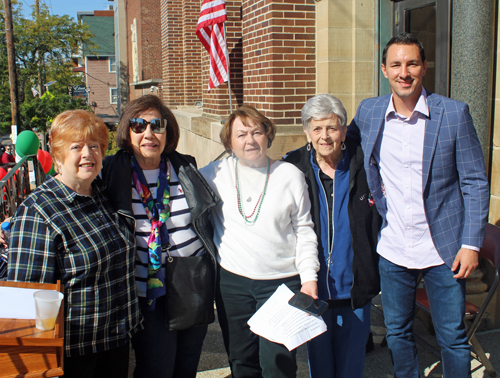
170	202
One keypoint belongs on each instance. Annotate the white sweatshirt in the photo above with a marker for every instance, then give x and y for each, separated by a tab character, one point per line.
282	242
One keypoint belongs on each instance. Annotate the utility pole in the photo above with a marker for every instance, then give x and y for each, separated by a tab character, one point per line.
40	55
11	55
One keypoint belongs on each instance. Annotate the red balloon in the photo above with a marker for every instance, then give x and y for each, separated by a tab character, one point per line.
47	164
3	172
41	157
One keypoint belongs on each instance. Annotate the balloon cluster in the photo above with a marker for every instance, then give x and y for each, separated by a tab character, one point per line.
28	144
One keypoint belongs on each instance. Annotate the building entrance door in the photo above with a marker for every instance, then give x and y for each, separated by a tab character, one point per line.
429	22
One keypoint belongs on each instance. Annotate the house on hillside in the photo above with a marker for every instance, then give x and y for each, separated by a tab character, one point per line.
99	65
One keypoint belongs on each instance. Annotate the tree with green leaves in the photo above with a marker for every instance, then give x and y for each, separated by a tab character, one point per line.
40	112
45	45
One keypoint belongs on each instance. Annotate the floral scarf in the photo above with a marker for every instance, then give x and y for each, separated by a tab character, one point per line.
158	212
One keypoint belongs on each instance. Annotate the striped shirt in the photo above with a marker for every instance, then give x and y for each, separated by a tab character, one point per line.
58	234
183	239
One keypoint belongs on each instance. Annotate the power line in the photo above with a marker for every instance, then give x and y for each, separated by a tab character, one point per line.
29	6
93	77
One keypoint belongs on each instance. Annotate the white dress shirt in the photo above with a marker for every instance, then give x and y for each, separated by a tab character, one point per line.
405	239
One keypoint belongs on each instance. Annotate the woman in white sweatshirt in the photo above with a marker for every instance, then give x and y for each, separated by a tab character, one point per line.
264	236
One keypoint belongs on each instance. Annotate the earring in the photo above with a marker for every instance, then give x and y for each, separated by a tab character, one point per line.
308	146
342	146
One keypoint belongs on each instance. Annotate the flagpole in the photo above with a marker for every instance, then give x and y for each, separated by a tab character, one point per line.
228	73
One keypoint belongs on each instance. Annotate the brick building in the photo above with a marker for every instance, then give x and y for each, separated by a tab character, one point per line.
144	44
271	48
100	65
282	52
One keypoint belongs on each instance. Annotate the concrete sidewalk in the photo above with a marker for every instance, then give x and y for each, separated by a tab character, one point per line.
213	363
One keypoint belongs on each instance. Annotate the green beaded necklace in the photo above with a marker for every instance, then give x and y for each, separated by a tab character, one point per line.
258	205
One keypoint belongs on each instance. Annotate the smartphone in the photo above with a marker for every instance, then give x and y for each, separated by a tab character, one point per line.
308	304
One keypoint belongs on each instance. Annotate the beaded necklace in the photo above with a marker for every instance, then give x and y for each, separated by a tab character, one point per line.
258	205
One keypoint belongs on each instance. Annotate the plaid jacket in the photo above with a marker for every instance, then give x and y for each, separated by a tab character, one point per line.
58	234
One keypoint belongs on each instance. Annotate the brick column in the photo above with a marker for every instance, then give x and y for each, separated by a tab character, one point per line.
192	49
150	55
279	57
172	51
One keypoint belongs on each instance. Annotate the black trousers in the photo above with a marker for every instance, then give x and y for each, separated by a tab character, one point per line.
160	353
111	363
251	356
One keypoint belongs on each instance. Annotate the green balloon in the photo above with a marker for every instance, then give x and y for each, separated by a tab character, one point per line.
52	171
27	143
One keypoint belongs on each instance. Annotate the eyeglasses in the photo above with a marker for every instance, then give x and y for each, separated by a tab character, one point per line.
139	125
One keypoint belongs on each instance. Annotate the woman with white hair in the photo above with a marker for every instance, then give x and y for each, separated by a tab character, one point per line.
346	224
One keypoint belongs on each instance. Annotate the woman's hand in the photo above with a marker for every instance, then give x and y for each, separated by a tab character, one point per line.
310	288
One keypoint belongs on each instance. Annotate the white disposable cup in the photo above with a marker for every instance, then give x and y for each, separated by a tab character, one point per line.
47	303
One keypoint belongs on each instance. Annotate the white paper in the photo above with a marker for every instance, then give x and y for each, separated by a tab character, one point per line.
281	323
17	303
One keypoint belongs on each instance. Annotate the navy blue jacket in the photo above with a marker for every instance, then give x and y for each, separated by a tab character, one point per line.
364	223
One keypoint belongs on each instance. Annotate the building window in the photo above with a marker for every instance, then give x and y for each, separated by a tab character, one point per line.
114	95
112	64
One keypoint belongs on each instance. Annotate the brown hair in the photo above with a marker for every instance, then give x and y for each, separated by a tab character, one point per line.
142	104
73	126
246	113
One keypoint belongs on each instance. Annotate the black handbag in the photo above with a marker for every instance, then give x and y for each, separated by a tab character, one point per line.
190	285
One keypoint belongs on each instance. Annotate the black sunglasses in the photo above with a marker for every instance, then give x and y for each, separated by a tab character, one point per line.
139	125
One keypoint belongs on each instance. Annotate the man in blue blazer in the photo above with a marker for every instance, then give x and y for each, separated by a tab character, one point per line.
426	172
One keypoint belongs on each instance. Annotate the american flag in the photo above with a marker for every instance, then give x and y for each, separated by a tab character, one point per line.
210	31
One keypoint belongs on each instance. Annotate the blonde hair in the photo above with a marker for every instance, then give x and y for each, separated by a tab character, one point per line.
73	126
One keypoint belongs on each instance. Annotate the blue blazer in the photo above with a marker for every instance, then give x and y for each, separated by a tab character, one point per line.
454	181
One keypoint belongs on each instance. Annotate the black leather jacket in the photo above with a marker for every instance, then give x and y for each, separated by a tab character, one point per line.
117	175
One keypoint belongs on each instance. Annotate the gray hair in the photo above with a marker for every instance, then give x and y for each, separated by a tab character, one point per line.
323	106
